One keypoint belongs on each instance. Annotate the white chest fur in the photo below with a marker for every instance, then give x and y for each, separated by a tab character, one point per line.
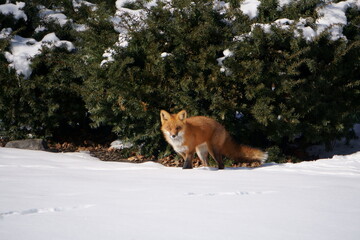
177	143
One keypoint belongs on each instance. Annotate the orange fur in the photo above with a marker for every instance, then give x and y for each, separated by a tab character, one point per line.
204	136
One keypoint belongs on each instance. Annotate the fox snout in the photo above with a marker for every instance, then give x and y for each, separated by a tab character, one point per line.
173	135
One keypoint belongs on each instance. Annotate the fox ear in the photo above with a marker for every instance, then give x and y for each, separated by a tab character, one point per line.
164	116
182	115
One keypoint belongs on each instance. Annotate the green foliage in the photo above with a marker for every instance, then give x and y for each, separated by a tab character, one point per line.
297	90
274	91
9	95
275	154
49	102
300	8
352	29
283	86
268	10
45	103
171	64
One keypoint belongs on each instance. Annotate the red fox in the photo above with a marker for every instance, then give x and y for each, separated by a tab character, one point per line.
204	135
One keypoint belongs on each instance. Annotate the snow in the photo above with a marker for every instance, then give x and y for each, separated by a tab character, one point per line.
227	53
40	29
120	144
133	16
75	196
165	54
78	3
23	50
14	9
5	33
250	8
108	55
134	19
80	27
333	18
282	3
221	6
50	15
307	32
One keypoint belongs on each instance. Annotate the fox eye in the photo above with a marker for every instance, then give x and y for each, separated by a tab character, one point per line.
178	128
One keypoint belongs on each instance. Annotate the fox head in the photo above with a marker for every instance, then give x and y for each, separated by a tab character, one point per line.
173	125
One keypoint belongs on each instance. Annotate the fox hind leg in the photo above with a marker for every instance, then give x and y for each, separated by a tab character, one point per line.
219	160
202	152
217	157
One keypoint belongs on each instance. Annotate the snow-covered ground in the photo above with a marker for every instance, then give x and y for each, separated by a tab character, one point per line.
74	196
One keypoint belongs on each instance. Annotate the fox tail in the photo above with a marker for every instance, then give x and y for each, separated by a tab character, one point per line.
242	153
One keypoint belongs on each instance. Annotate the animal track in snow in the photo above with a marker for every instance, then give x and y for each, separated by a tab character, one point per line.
42	210
235	193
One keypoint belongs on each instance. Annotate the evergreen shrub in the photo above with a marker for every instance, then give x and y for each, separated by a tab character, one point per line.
269	87
275	90
49	103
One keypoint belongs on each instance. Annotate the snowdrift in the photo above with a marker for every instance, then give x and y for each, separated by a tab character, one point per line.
75	196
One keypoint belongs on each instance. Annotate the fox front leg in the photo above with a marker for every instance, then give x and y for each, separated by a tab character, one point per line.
188	161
